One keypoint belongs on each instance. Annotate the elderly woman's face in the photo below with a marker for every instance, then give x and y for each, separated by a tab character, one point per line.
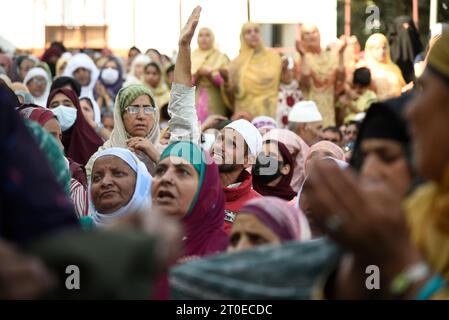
248	232
174	186
113	184
61	99
205	40
37	86
384	161
428	116
314	157
252	37
53	127
140	123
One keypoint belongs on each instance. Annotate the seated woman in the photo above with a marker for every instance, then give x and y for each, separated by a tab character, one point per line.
38	84
152	78
187	187
298	149
119	185
78	137
136	114
88	111
273	171
109	83
136	71
83	69
382	157
321	150
267	220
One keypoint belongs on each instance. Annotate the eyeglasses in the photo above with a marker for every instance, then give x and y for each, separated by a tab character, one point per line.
134	109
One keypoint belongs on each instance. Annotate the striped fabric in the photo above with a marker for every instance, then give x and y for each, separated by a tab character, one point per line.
79	198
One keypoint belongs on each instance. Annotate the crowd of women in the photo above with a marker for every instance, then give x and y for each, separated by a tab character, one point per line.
208	160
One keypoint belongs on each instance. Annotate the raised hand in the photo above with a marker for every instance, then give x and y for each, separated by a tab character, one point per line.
189	29
182	73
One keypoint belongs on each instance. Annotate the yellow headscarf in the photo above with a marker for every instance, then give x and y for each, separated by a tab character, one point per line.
428	208
241	62
61	61
161	93
255	74
211	58
387	66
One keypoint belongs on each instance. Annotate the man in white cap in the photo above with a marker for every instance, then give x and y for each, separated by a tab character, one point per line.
234	151
306	121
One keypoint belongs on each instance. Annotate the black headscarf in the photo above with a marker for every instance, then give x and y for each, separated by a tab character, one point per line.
405	45
384	120
61	82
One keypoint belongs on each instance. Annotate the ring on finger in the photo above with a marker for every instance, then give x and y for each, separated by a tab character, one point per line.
333	223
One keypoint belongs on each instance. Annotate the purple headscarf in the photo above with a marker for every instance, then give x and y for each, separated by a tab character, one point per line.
114	88
287	222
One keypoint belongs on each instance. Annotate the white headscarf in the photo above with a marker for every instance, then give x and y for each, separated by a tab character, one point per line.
249	132
82	60
141	198
131	77
39	72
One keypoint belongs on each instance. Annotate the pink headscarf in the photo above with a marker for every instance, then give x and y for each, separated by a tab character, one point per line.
287	222
334	150
298	149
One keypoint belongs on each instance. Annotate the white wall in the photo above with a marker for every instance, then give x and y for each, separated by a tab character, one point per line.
157	22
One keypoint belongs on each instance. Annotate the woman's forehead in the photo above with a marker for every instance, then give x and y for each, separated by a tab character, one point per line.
110	161
143	99
174	160
60	97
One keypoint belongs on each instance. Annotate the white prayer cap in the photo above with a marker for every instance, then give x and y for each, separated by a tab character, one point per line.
249	132
305	111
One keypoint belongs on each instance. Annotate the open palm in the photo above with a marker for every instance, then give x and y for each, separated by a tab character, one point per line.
189	29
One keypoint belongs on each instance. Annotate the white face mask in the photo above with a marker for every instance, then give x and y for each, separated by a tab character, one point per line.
66	116
109	75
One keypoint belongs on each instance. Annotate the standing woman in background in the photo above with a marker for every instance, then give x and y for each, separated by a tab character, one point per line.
321	73
253	79
386	76
207	60
152	78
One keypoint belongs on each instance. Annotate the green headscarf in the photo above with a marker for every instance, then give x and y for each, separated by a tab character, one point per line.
53	152
130	93
194	155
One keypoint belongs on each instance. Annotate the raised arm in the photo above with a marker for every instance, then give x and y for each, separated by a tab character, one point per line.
182	74
183	122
